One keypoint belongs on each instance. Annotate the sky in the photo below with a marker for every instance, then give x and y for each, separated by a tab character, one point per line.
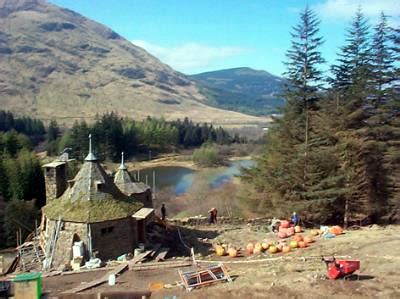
194	36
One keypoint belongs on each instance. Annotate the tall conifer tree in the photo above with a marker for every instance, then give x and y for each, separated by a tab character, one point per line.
303	72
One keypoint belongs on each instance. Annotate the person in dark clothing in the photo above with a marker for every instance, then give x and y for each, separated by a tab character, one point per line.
212	217
163	212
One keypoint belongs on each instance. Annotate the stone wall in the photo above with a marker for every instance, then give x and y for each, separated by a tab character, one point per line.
70	232
203	220
109	238
114	238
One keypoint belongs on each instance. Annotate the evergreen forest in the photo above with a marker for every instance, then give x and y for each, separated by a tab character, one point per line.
334	155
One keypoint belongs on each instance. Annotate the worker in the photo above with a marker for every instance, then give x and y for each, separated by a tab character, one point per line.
163	212
212	216
295	218
215	214
275	223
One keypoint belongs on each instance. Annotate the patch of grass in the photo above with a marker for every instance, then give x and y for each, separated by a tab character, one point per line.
90	210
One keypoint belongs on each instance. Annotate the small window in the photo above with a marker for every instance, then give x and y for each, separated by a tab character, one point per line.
99	186
107	230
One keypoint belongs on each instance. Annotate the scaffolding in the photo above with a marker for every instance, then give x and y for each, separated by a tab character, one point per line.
30	254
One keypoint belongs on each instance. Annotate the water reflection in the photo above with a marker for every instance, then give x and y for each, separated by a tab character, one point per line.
179	179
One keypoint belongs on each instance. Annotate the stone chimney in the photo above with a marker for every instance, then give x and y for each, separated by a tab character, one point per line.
55	179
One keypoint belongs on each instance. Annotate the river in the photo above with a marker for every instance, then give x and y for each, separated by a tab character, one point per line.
179	179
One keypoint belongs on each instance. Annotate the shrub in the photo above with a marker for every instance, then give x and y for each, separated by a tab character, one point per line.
207	156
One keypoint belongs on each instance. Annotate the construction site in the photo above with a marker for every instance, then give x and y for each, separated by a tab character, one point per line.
99	237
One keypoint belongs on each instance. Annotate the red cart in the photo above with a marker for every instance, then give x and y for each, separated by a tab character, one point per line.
340	268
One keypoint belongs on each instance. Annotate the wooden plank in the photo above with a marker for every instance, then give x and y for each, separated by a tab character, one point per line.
156	249
12	266
164	265
138	258
118	269
98	281
162	254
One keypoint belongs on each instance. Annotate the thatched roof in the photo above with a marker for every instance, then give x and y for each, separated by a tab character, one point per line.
90	211
91	197
124	182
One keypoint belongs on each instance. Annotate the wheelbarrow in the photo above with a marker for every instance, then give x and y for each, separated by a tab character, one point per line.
340	268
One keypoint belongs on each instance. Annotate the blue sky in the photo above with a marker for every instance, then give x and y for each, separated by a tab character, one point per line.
194	36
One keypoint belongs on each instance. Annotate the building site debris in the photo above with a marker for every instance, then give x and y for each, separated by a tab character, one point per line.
76	263
162	254
99	281
111	279
204	276
154	286
93	263
158	265
272	259
156	249
125	257
140	257
51	244
144	294
13	266
30	256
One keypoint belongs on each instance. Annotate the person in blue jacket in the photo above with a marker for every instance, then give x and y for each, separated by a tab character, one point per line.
295	219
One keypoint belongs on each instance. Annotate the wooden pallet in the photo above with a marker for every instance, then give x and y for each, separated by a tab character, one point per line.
204	276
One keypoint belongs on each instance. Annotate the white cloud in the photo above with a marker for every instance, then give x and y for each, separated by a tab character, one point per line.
189	57
344	9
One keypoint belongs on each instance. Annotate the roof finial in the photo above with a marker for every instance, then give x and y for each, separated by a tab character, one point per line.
90	143
90	156
122	166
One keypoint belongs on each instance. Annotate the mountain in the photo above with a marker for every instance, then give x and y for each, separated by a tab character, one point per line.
242	89
55	63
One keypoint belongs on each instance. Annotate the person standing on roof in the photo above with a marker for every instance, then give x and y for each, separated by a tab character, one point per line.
163	212
295	219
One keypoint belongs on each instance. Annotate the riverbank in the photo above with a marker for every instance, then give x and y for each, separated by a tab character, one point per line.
177	160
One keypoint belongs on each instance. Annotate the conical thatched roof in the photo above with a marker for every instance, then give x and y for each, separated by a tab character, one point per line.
124	182
91	197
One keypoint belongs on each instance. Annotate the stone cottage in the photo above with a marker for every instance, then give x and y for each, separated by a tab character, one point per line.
91	210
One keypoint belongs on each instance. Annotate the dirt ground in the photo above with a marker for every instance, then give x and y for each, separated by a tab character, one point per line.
376	247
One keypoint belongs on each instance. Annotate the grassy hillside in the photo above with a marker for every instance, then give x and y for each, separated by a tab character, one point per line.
55	63
242	89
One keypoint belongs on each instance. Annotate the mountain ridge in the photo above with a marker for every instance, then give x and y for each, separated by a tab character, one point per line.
242	89
57	63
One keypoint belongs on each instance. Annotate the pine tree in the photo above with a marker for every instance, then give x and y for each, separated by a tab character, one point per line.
288	171
352	72
392	154
53	131
303	73
360	86
382	62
